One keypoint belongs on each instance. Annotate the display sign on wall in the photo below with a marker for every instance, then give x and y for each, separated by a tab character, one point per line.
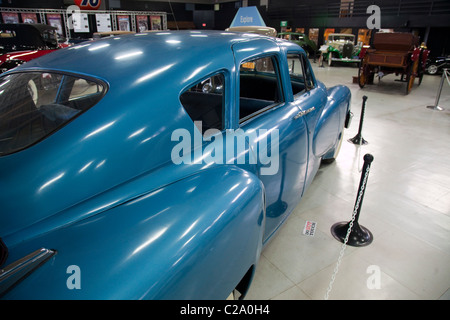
364	36
142	23
29	18
80	22
103	22
124	23
55	21
314	35
10	17
88	4
155	22
327	32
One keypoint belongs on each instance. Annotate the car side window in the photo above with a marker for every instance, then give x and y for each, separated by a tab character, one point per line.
204	102
260	87
50	38
33	105
300	74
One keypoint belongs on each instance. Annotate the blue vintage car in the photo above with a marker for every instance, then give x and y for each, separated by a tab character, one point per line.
156	165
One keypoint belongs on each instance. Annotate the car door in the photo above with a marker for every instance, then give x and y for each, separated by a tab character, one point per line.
310	99
275	130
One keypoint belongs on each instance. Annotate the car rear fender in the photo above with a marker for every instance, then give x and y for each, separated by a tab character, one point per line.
193	239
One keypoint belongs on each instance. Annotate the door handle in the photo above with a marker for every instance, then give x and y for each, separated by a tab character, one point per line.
302	113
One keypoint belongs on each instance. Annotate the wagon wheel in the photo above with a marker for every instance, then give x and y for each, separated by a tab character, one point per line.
363	74
420	77
421	68
411	76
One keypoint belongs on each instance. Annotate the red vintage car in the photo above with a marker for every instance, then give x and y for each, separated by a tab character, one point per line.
23	42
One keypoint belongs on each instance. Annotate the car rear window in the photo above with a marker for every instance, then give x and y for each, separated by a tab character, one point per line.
33	105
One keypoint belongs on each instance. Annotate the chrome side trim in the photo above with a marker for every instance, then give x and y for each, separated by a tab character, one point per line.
21	268
302	113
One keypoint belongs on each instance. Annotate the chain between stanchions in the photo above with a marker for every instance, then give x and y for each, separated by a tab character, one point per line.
349	230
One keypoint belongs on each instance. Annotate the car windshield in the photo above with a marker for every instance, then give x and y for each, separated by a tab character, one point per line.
297	37
33	105
342	38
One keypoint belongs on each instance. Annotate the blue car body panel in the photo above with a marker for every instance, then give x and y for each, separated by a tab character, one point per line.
104	192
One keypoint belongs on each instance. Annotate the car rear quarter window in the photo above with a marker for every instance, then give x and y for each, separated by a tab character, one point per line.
34	105
204	102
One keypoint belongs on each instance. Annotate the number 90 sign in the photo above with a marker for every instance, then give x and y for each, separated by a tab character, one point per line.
88	4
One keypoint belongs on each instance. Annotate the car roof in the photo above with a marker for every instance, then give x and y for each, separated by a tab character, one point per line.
26	34
127	57
27	26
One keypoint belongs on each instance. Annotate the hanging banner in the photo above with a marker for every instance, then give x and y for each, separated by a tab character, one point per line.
247	16
142	23
88	4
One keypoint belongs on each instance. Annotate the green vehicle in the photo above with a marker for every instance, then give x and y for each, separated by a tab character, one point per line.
341	47
302	40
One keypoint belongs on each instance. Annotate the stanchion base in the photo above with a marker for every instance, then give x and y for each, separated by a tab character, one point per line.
435	108
359	236
358	140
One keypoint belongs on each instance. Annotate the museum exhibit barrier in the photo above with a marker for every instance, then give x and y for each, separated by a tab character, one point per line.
358	139
352	233
436	106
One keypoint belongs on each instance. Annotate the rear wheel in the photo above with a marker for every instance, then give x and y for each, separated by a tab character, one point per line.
420	77
411	76
420	68
241	289
362	74
234	295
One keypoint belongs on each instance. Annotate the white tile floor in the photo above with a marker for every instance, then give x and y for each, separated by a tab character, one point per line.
406	205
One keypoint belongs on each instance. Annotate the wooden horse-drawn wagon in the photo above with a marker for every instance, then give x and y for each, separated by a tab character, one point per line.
393	52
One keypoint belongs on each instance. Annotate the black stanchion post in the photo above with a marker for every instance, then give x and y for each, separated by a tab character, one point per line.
359	236
358	139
